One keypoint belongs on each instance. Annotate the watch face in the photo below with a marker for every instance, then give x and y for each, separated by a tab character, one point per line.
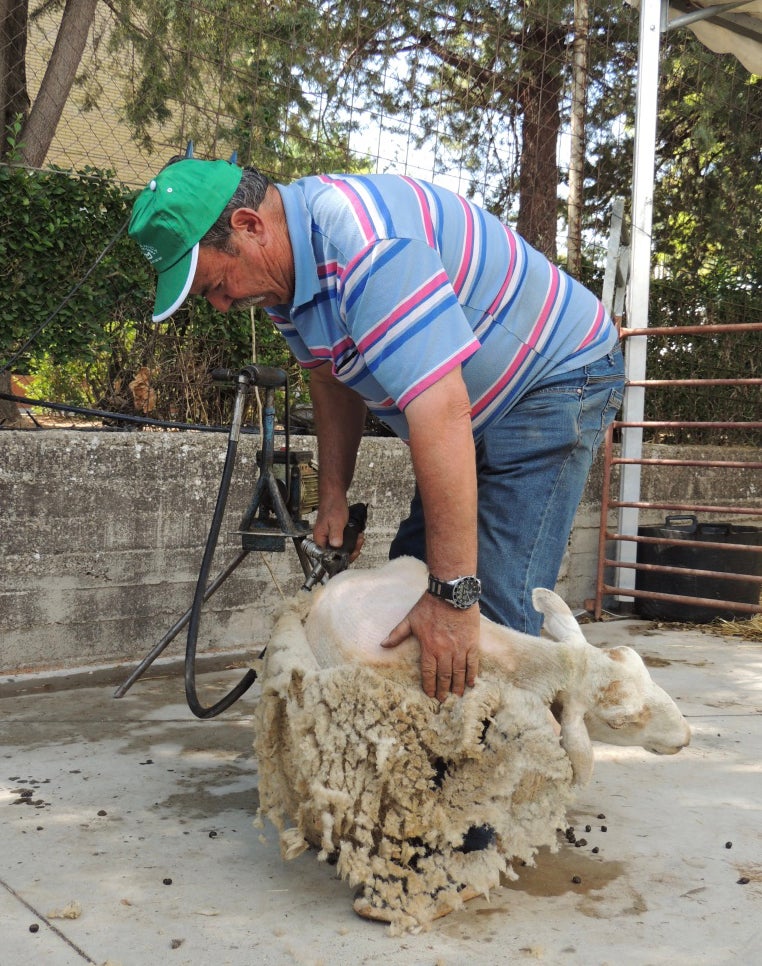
466	592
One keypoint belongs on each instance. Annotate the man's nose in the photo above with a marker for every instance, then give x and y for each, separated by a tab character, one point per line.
219	301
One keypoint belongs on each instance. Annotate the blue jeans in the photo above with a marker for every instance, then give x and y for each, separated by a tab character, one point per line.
531	470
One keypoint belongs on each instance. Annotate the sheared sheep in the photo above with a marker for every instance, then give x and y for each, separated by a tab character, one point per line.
355	760
604	694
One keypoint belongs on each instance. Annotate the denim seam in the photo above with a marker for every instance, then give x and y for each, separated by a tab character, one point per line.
559	475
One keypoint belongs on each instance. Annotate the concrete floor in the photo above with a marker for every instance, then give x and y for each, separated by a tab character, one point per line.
136	819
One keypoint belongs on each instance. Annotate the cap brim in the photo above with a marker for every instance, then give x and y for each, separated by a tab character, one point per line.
174	284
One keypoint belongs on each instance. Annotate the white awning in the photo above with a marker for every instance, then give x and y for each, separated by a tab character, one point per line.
726	28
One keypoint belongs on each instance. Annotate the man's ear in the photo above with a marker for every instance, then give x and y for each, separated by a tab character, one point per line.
247	220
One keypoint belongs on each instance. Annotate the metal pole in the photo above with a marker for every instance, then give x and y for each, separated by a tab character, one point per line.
640	271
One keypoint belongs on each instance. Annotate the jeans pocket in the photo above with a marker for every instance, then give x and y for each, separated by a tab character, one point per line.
608	415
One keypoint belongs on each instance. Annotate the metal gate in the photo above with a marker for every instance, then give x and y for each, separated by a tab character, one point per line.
618	549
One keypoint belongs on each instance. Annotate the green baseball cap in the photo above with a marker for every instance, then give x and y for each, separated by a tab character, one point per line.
170	217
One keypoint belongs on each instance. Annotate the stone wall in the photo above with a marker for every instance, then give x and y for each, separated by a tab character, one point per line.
103	532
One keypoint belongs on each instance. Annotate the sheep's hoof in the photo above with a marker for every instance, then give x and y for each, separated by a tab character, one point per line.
364	907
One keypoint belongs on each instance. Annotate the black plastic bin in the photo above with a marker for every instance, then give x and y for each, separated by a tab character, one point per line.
697	558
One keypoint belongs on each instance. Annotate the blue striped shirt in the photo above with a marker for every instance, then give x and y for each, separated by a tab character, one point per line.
399	281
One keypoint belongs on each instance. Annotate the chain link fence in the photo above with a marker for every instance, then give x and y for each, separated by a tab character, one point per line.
526	107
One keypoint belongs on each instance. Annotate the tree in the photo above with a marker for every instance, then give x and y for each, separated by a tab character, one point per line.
282	83
469	75
14	99
40	120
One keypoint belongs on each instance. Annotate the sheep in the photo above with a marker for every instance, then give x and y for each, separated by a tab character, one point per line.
606	695
357	762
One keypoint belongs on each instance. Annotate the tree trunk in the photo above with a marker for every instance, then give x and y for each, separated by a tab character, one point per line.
539	98
9	414
67	53
14	99
577	153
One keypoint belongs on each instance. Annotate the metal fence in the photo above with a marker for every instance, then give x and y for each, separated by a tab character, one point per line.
528	107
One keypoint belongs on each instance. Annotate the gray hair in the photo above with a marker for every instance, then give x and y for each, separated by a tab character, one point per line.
250	193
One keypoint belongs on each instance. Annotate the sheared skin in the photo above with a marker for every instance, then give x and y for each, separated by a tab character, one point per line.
604	694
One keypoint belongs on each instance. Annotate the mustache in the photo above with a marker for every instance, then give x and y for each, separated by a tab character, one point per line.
248	302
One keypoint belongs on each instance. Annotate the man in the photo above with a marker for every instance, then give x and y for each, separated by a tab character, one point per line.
500	371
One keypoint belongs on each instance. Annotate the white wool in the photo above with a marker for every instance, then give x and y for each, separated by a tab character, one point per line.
358	763
351	763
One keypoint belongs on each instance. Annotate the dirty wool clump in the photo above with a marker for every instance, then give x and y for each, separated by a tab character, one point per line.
392	786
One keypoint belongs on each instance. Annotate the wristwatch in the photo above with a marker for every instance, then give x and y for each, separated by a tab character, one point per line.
461	592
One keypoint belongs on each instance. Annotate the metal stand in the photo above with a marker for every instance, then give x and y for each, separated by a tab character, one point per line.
266	524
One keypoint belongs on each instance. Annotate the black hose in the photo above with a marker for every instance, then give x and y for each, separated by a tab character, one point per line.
198	600
252	375
120	417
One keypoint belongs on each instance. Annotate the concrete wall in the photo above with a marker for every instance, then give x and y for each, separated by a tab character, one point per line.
103	532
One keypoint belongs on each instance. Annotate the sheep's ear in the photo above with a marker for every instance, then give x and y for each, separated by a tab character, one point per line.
576	742
559	623
624	716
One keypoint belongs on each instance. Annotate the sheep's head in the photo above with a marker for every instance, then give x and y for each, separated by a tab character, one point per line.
629	708
613	699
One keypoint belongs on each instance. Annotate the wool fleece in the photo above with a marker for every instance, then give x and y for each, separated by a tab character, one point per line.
360	765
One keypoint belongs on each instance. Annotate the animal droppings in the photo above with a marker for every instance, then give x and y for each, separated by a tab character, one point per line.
604	828
576	879
34	927
728	845
744	880
167	881
601	815
595	849
103	812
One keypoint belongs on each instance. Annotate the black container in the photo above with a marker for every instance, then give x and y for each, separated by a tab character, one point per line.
697	558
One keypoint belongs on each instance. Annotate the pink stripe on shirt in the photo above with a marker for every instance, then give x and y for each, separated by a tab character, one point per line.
423	207
437	374
520	358
594	329
511	239
400	311
468	244
366	225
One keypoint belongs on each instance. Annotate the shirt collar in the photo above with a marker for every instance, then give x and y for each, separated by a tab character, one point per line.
299	221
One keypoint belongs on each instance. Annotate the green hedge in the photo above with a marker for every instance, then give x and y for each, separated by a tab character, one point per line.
54	225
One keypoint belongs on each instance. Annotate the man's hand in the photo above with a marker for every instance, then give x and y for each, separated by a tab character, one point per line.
449	640
332	518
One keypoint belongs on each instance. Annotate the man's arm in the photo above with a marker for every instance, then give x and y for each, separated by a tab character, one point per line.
339	420
442	447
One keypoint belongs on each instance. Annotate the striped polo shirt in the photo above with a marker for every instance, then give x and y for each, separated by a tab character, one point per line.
398	281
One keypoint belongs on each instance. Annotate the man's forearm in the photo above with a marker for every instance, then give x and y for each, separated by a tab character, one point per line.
339	420
442	448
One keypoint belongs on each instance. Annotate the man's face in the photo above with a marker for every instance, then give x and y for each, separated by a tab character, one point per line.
259	271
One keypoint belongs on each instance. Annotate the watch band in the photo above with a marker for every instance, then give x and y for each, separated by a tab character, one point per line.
461	592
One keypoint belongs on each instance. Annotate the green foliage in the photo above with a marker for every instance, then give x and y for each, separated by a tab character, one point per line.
264	66
286	83
708	204
53	227
706	299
